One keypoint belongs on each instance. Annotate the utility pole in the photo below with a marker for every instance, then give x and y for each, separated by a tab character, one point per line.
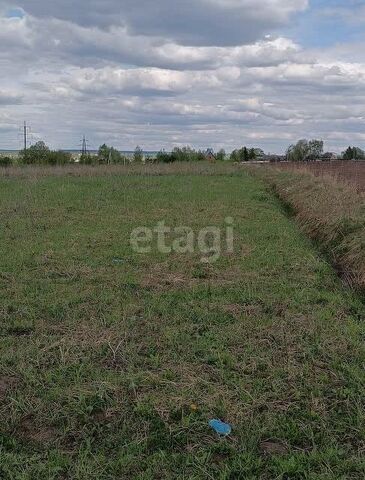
25	135
84	146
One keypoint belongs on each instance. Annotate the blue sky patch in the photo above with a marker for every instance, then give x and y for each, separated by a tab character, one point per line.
326	23
15	13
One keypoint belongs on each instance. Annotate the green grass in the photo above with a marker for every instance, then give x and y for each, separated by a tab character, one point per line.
112	363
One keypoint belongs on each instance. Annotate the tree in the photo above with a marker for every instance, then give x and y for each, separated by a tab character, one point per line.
315	149
138	155
348	154
37	153
298	152
305	151
40	154
240	155
234	157
259	152
221	155
186	154
164	157
108	155
104	153
87	159
245	156
353	153
252	154
359	154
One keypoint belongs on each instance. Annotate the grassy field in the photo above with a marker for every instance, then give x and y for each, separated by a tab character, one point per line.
112	363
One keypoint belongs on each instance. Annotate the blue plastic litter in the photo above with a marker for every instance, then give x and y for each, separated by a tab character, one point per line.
220	427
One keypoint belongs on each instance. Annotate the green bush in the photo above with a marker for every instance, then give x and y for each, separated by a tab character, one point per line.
110	155
5	161
184	154
164	157
221	155
243	155
87	159
40	154
138	155
59	158
36	154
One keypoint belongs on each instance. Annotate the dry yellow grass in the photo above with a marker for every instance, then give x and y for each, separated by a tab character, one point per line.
352	172
330	211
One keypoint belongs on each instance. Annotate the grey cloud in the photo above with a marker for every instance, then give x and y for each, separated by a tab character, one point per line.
124	73
38	39
10	98
188	22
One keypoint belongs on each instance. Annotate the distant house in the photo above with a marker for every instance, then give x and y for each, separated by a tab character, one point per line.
209	155
275	158
329	156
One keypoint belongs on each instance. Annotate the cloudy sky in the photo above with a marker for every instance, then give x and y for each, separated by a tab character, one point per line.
161	73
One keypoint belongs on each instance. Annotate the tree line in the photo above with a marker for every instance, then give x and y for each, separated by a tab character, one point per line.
41	154
302	151
313	150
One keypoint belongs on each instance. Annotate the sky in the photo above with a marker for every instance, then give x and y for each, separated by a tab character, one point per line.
205	73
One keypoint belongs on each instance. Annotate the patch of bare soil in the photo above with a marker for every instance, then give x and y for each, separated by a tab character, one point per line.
7	384
237	310
28	430
273	447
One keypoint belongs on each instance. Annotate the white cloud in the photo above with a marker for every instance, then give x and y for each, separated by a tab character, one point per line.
14	32
147	81
206	72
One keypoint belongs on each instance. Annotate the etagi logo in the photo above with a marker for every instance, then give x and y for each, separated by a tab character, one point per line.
209	241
